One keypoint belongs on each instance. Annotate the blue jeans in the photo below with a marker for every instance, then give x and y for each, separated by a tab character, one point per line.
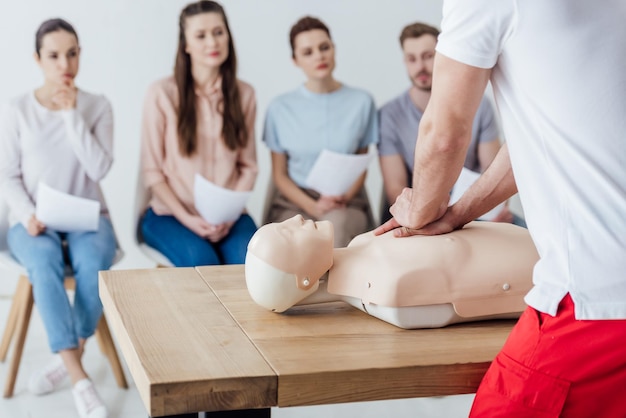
519	221
45	260
186	249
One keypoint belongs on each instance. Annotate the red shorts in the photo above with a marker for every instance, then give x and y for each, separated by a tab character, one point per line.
557	366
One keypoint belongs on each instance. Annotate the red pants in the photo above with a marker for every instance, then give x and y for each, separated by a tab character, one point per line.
557	366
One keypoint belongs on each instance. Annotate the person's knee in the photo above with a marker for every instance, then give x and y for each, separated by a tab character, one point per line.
91	259
235	253
194	255
244	228
103	254
234	246
41	249
44	261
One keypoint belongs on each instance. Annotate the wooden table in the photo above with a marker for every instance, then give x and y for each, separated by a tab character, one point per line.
195	341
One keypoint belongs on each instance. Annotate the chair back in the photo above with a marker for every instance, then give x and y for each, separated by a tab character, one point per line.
270	196
142	199
7	262
4	225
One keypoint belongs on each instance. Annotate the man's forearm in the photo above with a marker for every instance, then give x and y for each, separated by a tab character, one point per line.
444	135
438	162
492	188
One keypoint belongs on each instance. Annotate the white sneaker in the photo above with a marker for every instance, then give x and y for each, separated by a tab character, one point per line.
49	378
87	400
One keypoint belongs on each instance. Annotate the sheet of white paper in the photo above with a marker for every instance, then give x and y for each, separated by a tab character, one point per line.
66	213
333	173
465	180
216	204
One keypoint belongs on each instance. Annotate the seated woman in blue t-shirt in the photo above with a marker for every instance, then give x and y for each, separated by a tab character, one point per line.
321	114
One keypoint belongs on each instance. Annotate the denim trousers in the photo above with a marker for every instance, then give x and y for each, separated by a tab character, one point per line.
45	258
186	249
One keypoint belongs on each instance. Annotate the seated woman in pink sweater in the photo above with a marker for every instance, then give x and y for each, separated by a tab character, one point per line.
198	121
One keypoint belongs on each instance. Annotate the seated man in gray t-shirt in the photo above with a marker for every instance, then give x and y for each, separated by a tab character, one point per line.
400	118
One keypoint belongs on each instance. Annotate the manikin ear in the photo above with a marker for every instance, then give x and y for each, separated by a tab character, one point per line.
304	282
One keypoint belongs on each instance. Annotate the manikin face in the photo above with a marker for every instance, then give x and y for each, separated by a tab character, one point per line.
59	57
419	56
314	53
295	246
207	40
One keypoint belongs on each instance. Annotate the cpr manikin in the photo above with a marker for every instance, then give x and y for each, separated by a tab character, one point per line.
479	272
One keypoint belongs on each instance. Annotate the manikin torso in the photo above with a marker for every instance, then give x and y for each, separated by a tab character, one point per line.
480	272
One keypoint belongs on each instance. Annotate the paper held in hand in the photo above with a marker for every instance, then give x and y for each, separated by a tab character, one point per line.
333	173
66	213
215	204
465	180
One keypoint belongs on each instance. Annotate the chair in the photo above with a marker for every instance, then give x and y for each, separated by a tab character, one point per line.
270	196
21	309
142	198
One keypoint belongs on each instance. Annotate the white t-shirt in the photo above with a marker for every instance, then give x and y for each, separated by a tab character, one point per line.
69	150
559	78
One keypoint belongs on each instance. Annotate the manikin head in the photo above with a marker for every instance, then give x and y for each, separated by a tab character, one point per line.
286	260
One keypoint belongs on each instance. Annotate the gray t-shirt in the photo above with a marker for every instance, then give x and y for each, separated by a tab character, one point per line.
399	121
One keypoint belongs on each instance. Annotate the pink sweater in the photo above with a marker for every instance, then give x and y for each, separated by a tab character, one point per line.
162	161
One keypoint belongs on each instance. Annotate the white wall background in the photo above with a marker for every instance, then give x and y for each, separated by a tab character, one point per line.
127	44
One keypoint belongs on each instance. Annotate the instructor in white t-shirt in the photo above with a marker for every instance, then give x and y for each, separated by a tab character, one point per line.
557	69
399	121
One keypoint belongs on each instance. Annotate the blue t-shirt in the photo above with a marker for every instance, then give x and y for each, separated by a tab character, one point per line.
399	124
302	123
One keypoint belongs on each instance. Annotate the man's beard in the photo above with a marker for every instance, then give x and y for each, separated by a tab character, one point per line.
427	88
423	88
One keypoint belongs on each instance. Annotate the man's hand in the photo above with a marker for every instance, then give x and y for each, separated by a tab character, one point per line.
406	217
442	225
390	225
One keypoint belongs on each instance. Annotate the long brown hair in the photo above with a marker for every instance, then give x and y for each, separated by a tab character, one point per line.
234	129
